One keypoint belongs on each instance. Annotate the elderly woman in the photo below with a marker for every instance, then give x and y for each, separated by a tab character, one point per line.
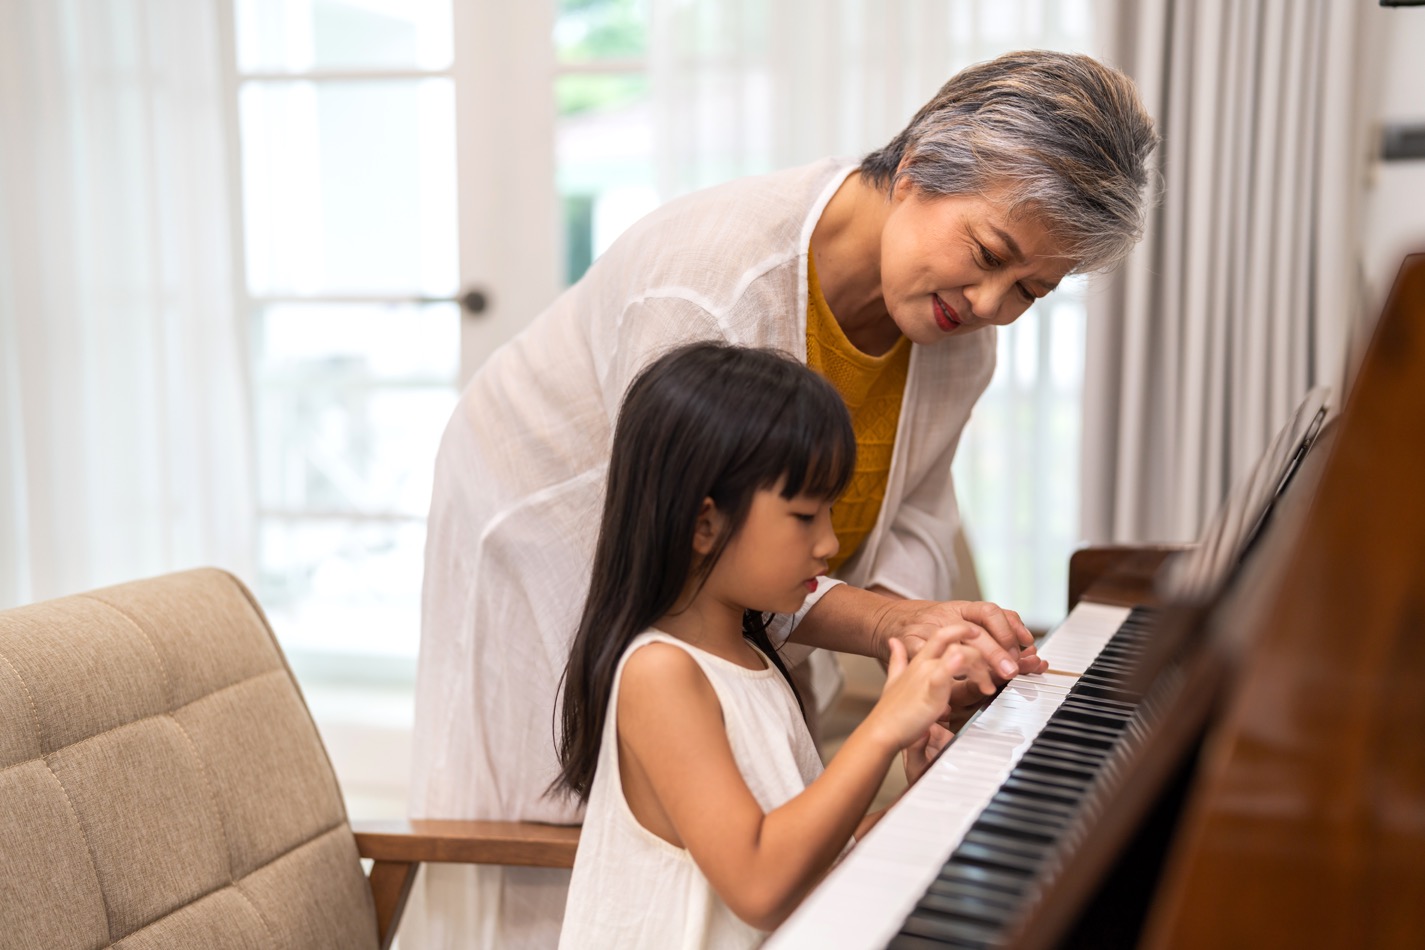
888	277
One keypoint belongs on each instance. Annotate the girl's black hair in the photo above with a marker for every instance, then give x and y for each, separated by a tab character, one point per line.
708	420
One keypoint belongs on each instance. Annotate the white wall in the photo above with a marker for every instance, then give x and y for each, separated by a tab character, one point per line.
1394	214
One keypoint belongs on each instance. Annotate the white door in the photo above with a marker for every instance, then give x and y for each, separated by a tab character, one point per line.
404	214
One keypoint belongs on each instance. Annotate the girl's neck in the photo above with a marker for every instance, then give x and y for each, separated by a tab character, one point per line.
712	626
846	244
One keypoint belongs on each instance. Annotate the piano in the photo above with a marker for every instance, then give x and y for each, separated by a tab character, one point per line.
1237	761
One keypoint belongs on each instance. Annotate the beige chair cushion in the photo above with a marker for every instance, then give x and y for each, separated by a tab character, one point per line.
162	784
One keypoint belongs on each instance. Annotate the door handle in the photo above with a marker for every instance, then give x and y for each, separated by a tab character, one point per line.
474	301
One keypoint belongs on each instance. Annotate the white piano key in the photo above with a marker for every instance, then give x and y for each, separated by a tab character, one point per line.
864	900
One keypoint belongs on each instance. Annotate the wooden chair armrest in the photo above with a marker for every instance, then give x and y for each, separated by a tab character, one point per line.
397	848
525	843
1118	573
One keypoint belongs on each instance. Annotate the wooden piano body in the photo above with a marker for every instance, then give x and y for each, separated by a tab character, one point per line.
1279	799
1305	821
1300	754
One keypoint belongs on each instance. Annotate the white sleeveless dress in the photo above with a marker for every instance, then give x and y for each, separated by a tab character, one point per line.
630	888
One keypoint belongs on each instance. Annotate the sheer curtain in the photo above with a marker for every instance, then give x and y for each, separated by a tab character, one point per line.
1243	293
124	442
746	86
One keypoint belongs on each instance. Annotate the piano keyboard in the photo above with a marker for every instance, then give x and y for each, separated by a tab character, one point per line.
956	860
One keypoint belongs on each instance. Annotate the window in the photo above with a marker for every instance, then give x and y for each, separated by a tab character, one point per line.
604	131
346	121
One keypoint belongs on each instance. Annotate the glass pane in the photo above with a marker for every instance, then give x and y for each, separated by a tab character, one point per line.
331	441
340	586
410	343
349	187
605	161
592	30
1021	523
300	35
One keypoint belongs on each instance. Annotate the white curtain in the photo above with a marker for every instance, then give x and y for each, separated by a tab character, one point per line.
748	86
123	421
1243	293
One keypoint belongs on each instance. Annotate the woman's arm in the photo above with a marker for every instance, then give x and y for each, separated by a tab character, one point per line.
672	736
851	620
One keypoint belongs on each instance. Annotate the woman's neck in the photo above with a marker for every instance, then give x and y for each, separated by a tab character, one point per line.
846	244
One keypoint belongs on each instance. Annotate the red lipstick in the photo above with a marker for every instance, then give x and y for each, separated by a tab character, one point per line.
945	316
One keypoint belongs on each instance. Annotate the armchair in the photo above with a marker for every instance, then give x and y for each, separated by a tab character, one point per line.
162	785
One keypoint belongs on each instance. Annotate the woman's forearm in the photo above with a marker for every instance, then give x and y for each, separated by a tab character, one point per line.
848	620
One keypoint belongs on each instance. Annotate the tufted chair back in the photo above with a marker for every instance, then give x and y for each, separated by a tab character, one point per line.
162	784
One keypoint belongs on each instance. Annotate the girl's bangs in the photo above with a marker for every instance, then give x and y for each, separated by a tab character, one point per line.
818	451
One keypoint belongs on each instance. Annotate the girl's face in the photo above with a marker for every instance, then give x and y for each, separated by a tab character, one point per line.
772	563
951	264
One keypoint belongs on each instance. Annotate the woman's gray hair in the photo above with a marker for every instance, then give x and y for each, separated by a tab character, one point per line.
1057	135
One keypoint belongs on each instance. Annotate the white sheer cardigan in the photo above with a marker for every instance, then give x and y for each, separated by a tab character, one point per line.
517	496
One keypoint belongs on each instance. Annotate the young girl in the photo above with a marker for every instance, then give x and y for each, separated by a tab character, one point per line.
709	815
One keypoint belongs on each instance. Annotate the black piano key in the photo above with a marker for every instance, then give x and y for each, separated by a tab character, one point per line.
1097	707
1009	845
1091	724
963	886
1080	706
1030	828
1028	783
1030	813
1084	738
1031	772
1086	771
907	942
1099	690
971	906
983	877
946	933
987	856
1064	759
1050	809
1031	789
1068	750
1049	777
1127	707
1112	663
967	887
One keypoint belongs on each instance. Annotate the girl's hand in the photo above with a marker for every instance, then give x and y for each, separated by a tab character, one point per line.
917	756
917	691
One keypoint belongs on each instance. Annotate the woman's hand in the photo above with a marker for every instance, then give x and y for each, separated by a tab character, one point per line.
866	621
997	633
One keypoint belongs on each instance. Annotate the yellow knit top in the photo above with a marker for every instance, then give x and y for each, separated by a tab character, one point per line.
872	388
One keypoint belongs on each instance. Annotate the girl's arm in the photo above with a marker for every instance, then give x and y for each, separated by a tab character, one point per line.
682	782
917	758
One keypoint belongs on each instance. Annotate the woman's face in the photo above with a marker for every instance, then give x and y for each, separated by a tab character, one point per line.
951	264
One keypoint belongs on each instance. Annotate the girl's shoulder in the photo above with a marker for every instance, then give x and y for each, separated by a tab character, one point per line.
657	664
662	687
658	655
